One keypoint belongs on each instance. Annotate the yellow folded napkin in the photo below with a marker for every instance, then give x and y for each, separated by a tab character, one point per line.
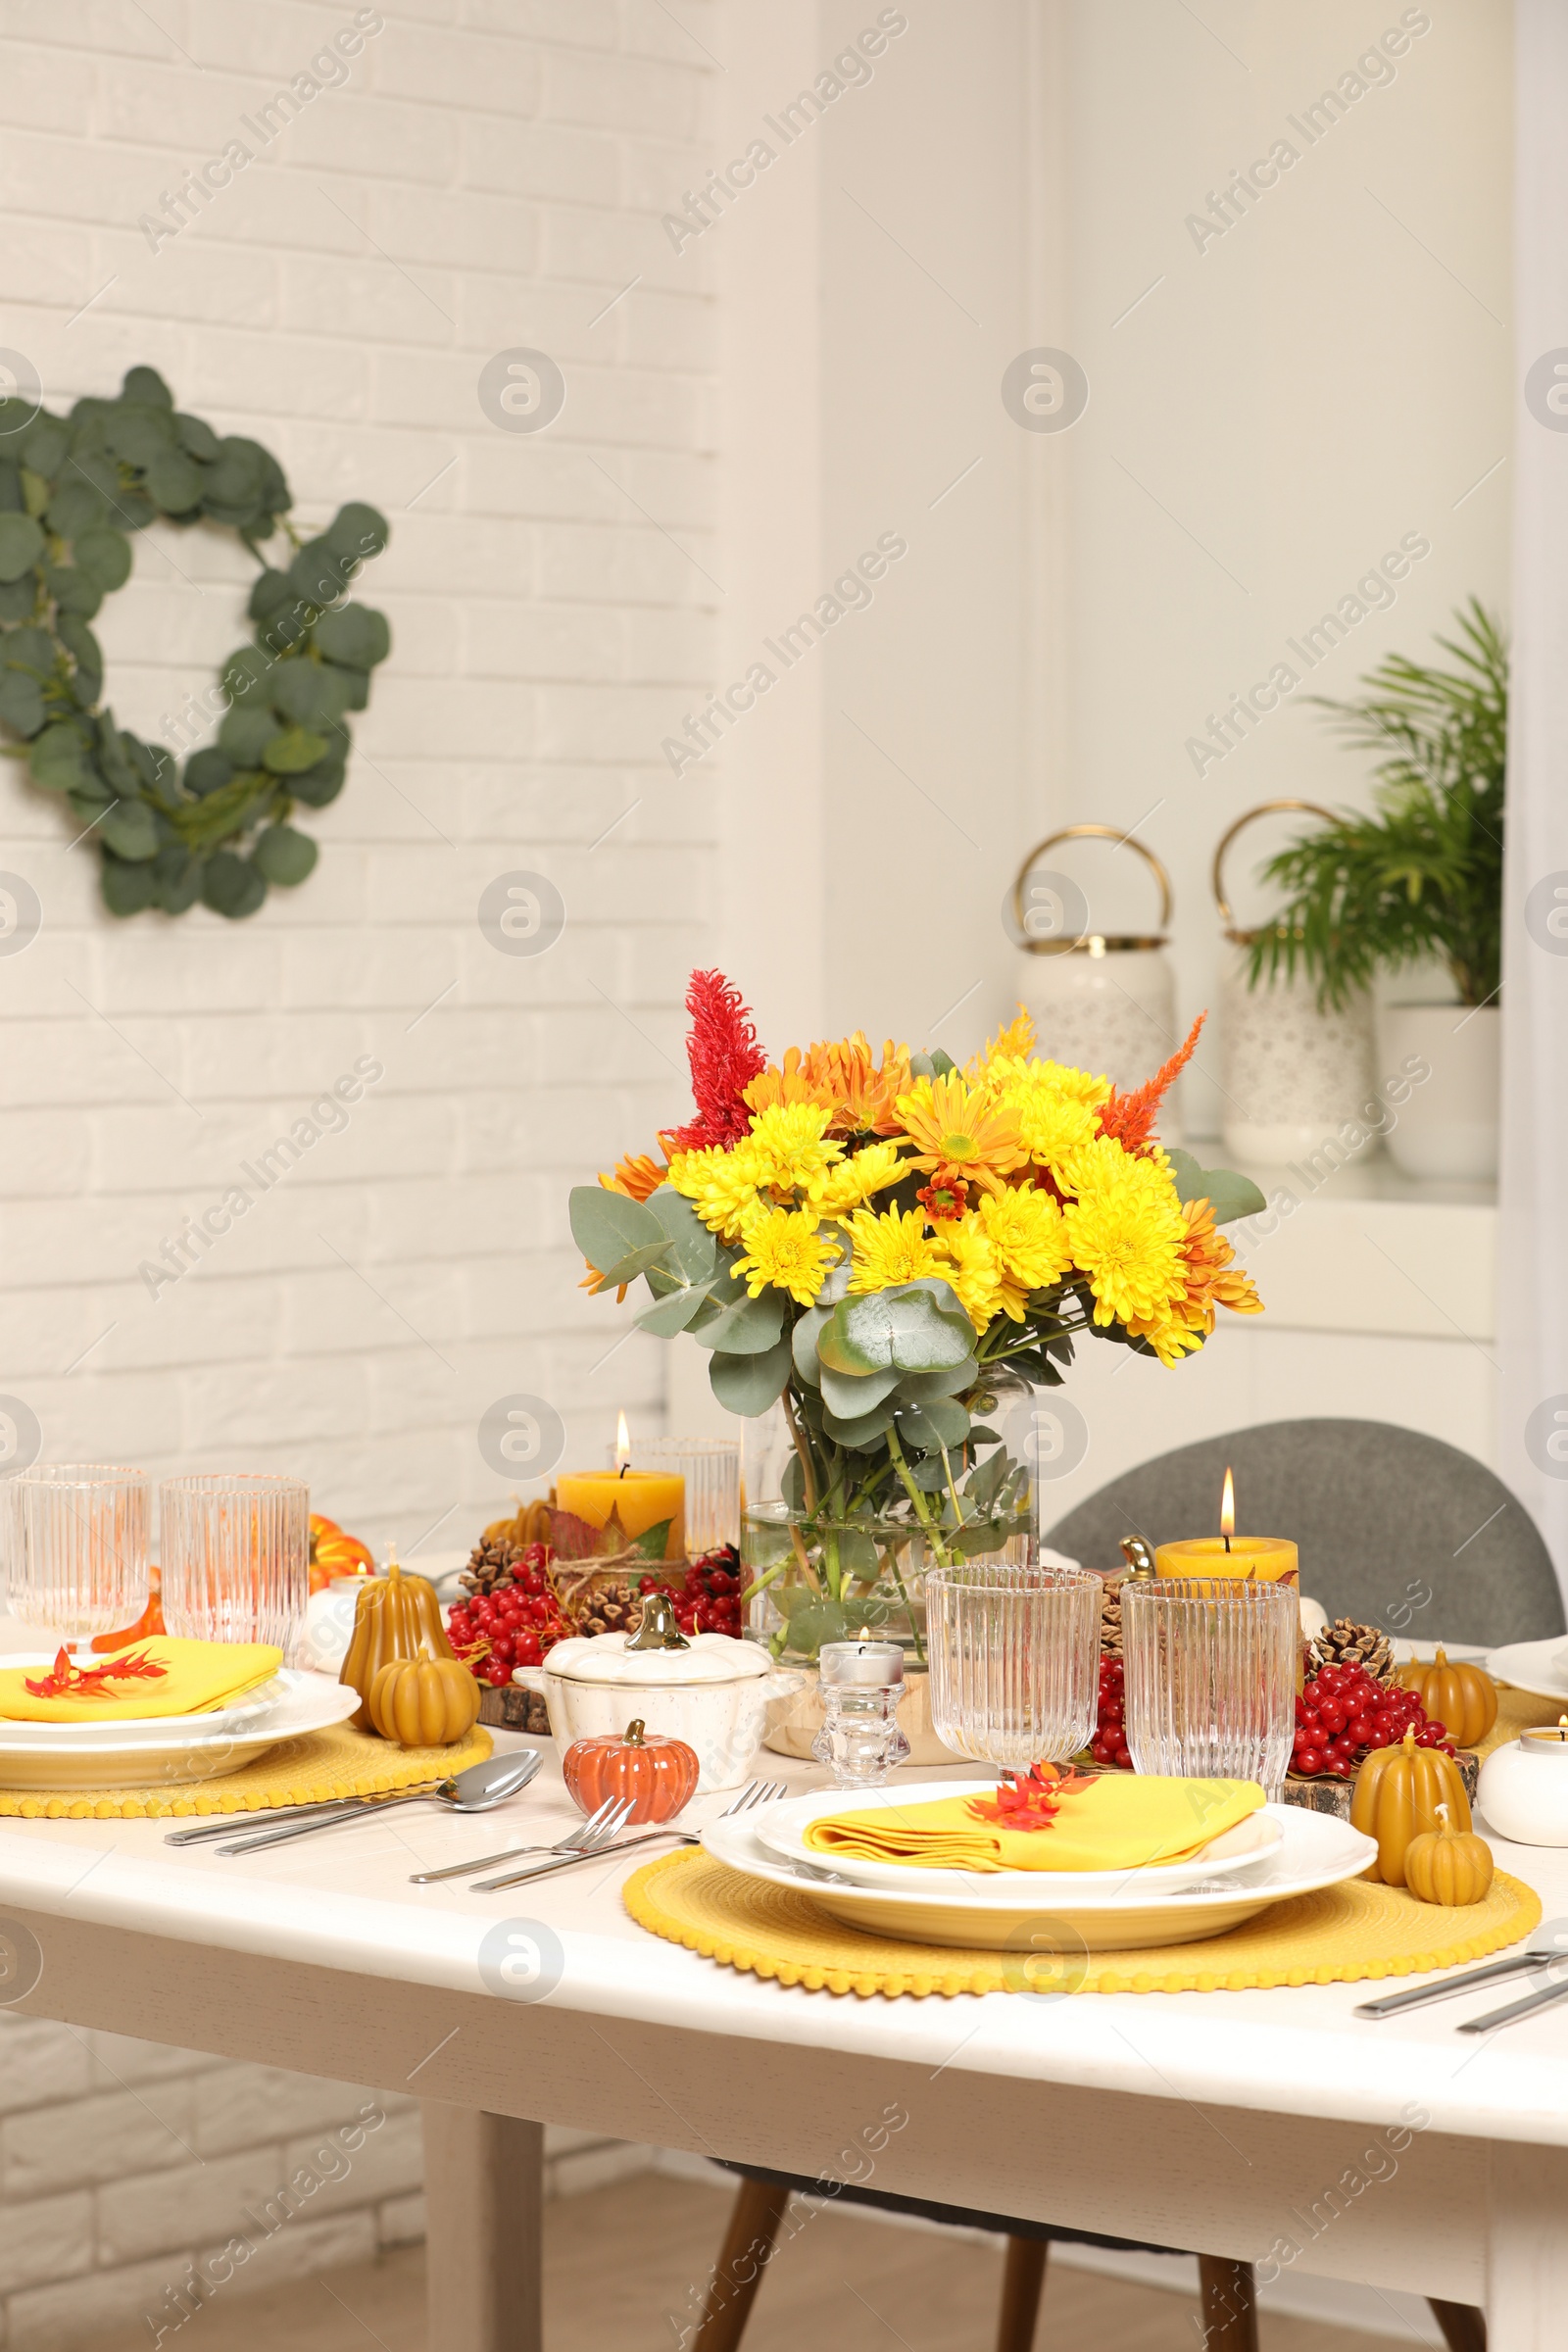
187	1678
1115	1820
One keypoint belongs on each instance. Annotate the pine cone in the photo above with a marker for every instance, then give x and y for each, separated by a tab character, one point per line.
1110	1618
613	1609
1346	1643
490	1564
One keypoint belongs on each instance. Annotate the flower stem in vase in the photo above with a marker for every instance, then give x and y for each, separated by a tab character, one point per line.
933	1531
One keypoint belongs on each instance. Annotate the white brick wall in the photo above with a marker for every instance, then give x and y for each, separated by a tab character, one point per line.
491	176
122	2163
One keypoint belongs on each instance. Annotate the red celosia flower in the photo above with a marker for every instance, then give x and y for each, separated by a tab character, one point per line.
724	1055
90	1682
1130	1118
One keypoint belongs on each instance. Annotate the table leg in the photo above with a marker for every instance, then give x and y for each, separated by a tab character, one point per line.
483	2180
1527	2249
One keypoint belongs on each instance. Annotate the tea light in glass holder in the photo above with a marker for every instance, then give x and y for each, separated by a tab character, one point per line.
1523	1790
861	1684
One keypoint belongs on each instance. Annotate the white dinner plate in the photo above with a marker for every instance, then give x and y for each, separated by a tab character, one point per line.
1315	1851
783	1826
171	1749
1539	1667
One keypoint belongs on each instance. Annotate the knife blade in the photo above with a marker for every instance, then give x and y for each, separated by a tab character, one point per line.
1449	1988
1515	2009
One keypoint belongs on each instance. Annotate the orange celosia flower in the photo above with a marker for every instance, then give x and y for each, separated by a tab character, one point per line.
1213	1278
636	1175
959	1139
1130	1118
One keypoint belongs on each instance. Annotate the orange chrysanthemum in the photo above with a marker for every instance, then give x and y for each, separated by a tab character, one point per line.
1213	1279
959	1139
844	1074
636	1175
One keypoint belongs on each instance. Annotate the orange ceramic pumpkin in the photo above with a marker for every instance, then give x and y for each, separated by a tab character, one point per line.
658	1775
335	1555
1460	1696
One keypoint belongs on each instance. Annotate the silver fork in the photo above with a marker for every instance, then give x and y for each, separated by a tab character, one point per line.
586	1838
754	1793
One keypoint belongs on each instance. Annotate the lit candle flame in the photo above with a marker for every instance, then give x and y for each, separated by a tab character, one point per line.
623	1443
1227	1508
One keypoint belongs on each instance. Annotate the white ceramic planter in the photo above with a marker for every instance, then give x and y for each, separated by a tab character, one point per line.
714	1693
1448	1127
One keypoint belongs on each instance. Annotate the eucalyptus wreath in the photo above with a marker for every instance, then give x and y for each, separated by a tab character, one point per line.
72	490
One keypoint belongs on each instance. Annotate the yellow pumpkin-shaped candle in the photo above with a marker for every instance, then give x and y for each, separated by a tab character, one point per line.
395	1616
1460	1696
423	1703
1448	1864
1397	1796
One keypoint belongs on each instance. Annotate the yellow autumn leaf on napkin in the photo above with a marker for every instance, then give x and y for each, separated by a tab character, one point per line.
194	1679
1115	1820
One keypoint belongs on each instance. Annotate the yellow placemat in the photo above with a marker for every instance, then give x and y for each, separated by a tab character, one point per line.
338	1762
1332	1937
1518	1711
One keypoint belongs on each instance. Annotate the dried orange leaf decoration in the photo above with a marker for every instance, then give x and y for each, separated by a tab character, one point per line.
1028	1800
92	1682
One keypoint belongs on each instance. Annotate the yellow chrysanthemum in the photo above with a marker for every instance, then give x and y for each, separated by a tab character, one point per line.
1060	1077
785	1250
972	1270
1127	1233
959	1137
1025	1228
1053	1124
1011	1043
721	1185
787	1145
891	1248
851	1183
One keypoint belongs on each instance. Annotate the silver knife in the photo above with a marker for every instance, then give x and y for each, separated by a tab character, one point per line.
265	1817
1448	1987
1515	2009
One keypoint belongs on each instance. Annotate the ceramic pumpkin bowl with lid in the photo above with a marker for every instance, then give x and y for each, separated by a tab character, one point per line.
711	1691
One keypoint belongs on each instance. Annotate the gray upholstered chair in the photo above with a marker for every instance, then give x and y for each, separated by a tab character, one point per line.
1392	1526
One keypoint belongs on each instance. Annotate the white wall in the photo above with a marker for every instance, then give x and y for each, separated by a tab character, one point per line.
491	176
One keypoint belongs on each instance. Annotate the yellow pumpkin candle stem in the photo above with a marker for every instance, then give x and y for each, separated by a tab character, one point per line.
634	1500
1270	1558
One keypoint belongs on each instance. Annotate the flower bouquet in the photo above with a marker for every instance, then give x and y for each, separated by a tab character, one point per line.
902	1253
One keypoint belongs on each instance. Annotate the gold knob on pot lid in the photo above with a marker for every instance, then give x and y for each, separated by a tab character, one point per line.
1092	942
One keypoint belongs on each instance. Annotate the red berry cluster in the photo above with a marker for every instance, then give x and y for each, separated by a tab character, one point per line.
1344	1712
707	1600
1110	1742
520	1620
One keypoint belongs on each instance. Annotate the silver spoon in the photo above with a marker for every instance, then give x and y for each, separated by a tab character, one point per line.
478	1791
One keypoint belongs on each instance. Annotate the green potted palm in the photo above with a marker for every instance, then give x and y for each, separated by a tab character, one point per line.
1416	882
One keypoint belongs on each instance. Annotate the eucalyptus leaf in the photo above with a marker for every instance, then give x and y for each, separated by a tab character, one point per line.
20	545
859	1433
284	855
1231	1195
750	1327
605	1224
245	734
231	885
918	1388
292	752
694	1250
105	557
74	590
849	1396
914	1327
59	757
21	703
803	1343
933	1424
748	1385
355	636
635	1261
126	889
130	830
674	1311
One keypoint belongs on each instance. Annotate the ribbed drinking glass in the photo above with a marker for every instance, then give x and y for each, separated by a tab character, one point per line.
711	1469
77	1546
1014	1660
235	1555
1210	1677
